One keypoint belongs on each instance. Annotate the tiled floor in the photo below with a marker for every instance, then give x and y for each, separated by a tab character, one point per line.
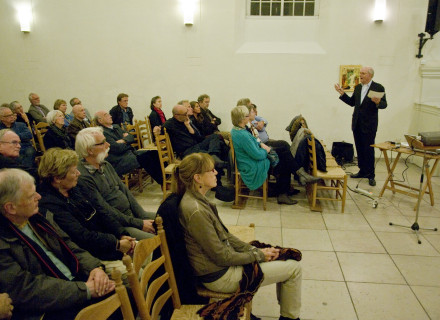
355	265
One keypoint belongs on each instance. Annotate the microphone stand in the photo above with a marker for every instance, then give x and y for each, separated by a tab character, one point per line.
415	226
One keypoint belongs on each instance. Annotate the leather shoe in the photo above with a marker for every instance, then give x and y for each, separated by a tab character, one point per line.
284	199
254	317
358	175
372	182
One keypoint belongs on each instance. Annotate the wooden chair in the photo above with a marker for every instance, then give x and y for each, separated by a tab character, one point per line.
167	163
135	176
335	175
145	134
150	303
103	309
241	191
40	130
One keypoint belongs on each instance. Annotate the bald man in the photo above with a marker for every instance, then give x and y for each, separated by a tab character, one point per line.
78	123
365	120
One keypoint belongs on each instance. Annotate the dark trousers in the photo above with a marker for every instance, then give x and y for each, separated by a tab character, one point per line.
211	144
365	153
285	167
149	160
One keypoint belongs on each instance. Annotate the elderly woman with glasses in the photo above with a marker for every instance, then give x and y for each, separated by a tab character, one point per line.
252	158
218	257
56	136
93	230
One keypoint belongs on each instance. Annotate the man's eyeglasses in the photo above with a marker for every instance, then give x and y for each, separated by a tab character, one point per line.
14	143
101	143
8	115
181	114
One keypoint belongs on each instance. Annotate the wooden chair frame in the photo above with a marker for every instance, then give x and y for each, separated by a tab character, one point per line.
240	196
335	175
168	164
40	130
103	309
145	134
136	174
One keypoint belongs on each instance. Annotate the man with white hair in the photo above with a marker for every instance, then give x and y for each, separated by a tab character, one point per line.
78	123
42	270
105	187
36	110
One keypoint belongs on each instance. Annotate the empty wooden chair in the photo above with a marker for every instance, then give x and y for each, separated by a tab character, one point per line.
145	134
335	177
103	309
241	191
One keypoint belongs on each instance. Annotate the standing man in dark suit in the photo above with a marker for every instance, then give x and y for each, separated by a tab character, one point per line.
365	120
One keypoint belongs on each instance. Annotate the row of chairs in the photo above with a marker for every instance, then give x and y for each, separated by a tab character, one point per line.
150	295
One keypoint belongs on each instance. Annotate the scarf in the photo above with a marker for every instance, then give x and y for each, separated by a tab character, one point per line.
41	225
161	115
232	308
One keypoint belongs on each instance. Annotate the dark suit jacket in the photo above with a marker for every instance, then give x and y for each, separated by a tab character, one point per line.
180	137
74	127
117	116
365	115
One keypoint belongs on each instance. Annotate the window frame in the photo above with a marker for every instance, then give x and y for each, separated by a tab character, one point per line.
281	16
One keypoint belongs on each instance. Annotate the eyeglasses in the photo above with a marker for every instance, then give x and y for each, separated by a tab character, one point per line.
14	143
181	114
9	115
101	143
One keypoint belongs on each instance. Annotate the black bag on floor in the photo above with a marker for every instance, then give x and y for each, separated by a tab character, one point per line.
343	152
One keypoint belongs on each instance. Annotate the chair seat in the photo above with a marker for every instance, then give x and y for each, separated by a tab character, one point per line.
332	173
331	162
188	312
150	146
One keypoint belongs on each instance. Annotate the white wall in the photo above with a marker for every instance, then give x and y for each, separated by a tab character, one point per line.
97	49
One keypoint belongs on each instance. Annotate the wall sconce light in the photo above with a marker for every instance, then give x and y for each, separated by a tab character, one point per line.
380	8
25	17
188	12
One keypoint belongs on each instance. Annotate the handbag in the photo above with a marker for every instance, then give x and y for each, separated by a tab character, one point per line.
343	152
273	158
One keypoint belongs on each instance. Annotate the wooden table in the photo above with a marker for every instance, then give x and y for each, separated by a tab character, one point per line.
392	185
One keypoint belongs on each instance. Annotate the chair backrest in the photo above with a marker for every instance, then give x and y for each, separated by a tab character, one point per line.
144	131
151	303
132	129
169	145
40	130
312	155
103	309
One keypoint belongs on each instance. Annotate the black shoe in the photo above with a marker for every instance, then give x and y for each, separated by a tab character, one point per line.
372	182
293	192
285	318
358	175
254	317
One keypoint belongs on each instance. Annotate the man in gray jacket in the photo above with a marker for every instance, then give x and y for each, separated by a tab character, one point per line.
42	270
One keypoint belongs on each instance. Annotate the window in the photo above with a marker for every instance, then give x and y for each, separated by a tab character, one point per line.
286	8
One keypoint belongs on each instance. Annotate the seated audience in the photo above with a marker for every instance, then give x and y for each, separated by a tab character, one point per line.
122	113
93	230
61	105
36	110
122	155
259	122
27	151
56	135
157	117
252	160
6	306
106	190
186	138
17	108
75	101
217	257
43	271
204	101
78	123
203	124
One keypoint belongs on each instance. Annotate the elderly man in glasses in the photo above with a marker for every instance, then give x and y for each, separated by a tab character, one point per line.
27	151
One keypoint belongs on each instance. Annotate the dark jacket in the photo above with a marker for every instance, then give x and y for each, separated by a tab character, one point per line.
116	113
180	137
121	155
155	119
205	126
209	115
23	277
365	115
57	138
74	127
108	193
91	229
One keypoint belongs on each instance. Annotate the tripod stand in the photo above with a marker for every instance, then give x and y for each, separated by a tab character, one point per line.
415	226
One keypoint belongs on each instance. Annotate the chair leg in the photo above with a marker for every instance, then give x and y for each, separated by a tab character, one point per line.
344	193
265	186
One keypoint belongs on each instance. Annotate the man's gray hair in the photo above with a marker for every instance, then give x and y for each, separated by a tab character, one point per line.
30	96
13	105
3	132
3	109
72	101
85	140
50	117
11	182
